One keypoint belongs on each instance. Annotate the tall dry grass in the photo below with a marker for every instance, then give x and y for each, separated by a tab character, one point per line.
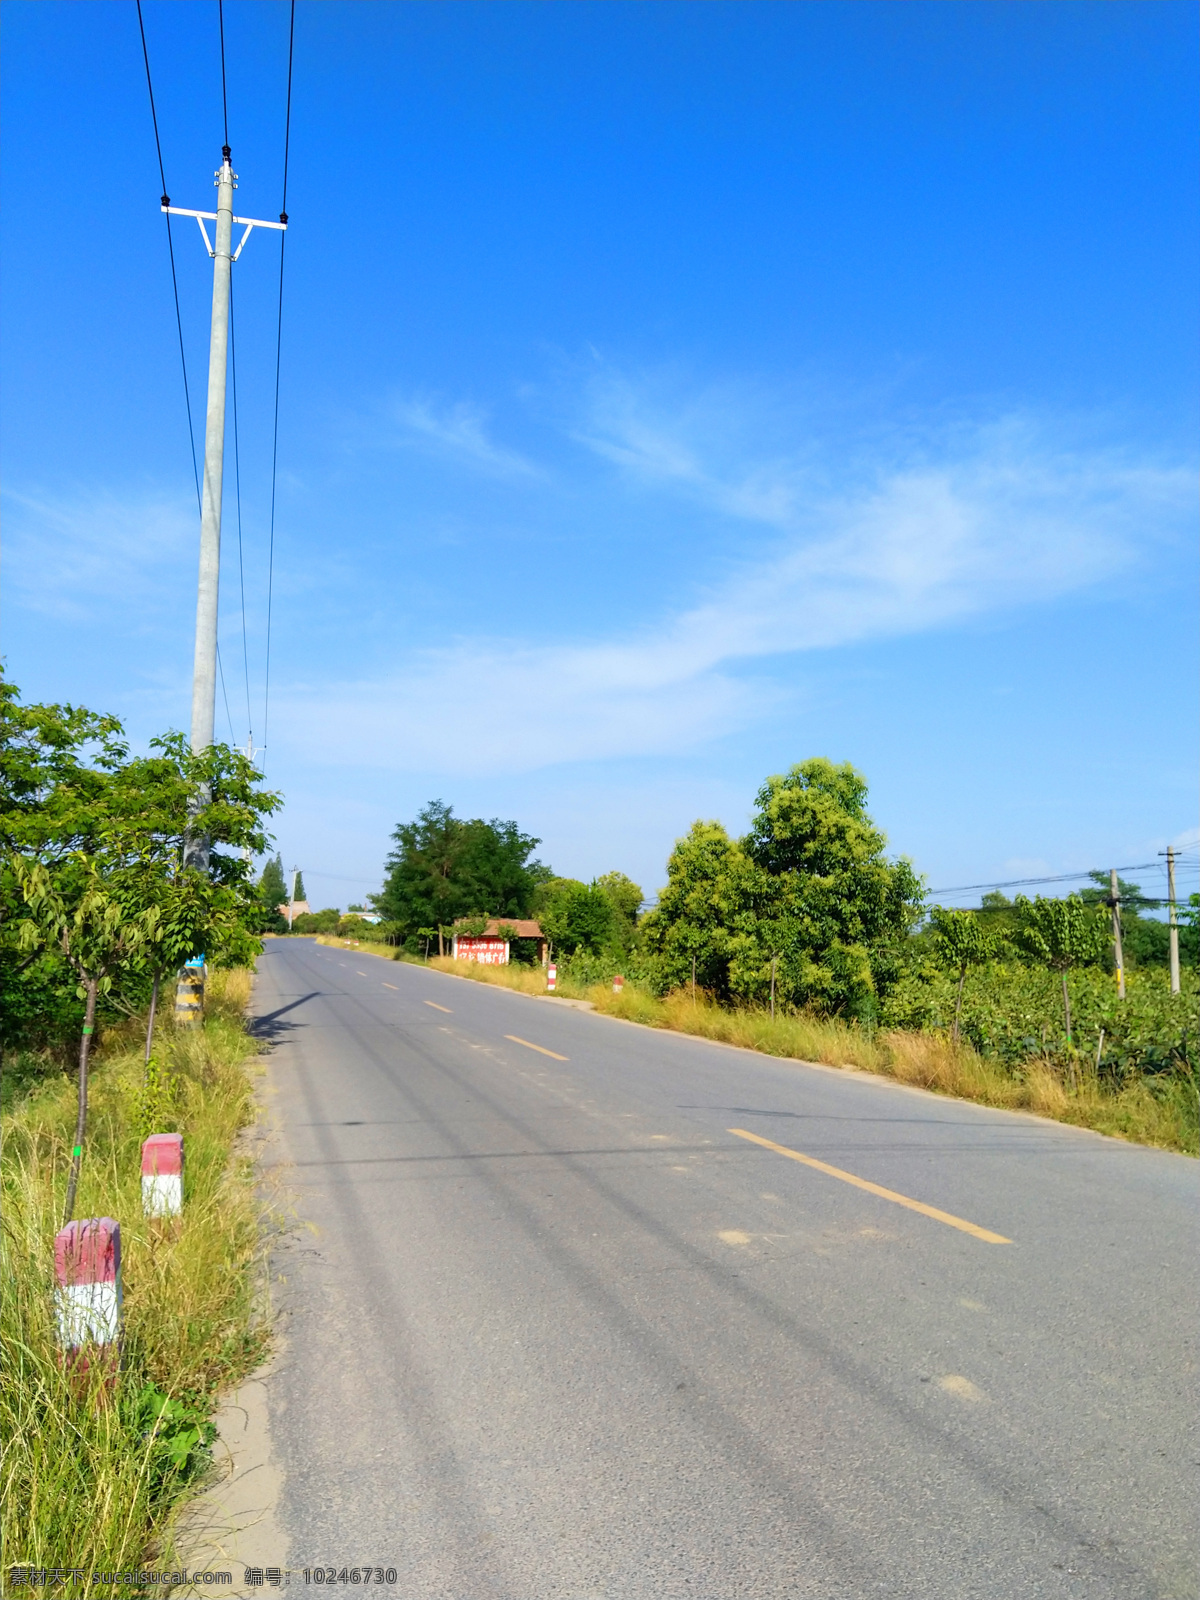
83	1482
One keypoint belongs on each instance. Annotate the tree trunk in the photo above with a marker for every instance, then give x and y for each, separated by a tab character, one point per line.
85	1046
962	978
1066	1007
441	950
150	1021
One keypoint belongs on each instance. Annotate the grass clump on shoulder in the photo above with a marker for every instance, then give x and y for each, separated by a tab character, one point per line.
90	1480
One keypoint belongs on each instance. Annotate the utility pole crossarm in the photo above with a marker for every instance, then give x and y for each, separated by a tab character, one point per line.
211	216
249	223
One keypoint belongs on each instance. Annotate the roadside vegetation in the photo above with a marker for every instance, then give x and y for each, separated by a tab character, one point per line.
102	900
91	1477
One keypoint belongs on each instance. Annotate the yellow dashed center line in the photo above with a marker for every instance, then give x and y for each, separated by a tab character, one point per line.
541	1049
436	1007
873	1188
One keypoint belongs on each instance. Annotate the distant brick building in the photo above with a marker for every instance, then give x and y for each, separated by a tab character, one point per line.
489	948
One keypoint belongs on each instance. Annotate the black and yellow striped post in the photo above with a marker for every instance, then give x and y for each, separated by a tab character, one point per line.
189	994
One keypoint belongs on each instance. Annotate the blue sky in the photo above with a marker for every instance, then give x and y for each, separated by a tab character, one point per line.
669	393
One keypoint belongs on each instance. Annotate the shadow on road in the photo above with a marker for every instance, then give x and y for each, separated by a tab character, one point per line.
269	1026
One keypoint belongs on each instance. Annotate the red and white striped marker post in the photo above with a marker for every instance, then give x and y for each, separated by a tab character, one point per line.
551	977
162	1175
87	1300
618	983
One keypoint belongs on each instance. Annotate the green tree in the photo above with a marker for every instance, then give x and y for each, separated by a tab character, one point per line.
94	856
577	916
54	765
444	868
626	899
999	916
96	936
808	891
272	888
1062	934
961	941
705	917
299	890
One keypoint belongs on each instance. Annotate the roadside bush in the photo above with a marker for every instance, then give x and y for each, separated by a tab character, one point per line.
317	921
1013	1011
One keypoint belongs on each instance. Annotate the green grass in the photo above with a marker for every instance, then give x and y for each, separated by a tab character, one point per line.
1162	1110
90	1480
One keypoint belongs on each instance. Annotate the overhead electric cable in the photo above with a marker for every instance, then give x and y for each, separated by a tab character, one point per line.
225	696
224	97
237	478
166	201
1021	883
287	136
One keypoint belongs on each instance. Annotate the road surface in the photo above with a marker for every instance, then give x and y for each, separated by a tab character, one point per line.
556	1331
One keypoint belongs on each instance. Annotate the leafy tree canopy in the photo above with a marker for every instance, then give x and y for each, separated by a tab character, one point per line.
444	868
626	899
93	848
961	939
1061	934
577	916
808	888
272	888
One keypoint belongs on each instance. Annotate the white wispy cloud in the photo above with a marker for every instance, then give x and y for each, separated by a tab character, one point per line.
65	552
918	532
460	432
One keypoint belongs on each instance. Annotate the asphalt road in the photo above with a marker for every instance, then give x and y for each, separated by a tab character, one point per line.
556	1331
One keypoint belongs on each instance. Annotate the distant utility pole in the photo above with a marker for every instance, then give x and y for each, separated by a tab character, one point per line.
204	673
1114	900
292	898
1172	923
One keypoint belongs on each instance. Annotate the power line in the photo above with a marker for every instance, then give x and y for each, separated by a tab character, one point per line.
225	697
237	478
1062	877
339	877
224	98
166	201
287	137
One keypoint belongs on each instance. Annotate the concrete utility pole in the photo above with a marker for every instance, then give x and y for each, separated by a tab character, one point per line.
1114	900
1172	923
292	898
204	672
190	990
